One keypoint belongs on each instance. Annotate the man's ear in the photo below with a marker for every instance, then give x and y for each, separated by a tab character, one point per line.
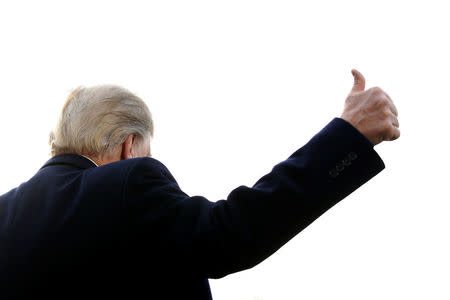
127	147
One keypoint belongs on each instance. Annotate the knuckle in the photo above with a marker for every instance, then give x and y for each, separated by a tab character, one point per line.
383	101
395	110
394	118
387	127
377	90
395	135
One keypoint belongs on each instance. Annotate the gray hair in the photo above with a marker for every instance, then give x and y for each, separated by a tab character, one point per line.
96	119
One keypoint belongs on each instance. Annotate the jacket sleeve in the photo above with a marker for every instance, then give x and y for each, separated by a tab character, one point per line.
223	237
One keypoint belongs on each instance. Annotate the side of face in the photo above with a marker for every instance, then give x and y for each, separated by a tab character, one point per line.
142	148
135	146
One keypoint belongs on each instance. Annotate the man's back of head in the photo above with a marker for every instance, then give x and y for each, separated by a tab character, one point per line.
96	122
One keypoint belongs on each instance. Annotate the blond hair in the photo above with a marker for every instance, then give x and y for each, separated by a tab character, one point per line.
96	119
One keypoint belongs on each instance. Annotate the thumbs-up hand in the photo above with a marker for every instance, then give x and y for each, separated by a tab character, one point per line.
371	111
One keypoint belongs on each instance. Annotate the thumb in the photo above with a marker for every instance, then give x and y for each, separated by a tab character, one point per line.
359	83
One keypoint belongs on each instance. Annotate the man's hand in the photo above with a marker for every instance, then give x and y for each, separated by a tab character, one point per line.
372	112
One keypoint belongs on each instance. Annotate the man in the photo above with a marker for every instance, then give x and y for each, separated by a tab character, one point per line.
102	219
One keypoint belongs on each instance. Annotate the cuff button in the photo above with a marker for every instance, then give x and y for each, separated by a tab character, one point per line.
352	156
334	173
346	162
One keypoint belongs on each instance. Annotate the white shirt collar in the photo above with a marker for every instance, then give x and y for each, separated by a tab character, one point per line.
90	160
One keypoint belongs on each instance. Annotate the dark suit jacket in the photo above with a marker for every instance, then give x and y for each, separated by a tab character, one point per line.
126	229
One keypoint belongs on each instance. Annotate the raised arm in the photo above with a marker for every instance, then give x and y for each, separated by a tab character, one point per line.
214	239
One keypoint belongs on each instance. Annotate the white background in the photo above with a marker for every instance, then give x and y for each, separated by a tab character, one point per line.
237	86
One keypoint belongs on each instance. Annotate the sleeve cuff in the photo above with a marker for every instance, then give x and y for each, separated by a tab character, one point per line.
345	157
357	131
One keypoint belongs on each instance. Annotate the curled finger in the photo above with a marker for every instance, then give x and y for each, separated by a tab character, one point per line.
395	134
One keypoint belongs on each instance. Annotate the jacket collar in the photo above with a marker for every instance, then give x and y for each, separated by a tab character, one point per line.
75	160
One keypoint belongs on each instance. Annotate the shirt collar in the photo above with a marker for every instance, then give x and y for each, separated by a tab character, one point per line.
90	160
75	160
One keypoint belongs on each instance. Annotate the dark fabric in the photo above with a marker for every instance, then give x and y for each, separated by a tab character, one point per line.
126	229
